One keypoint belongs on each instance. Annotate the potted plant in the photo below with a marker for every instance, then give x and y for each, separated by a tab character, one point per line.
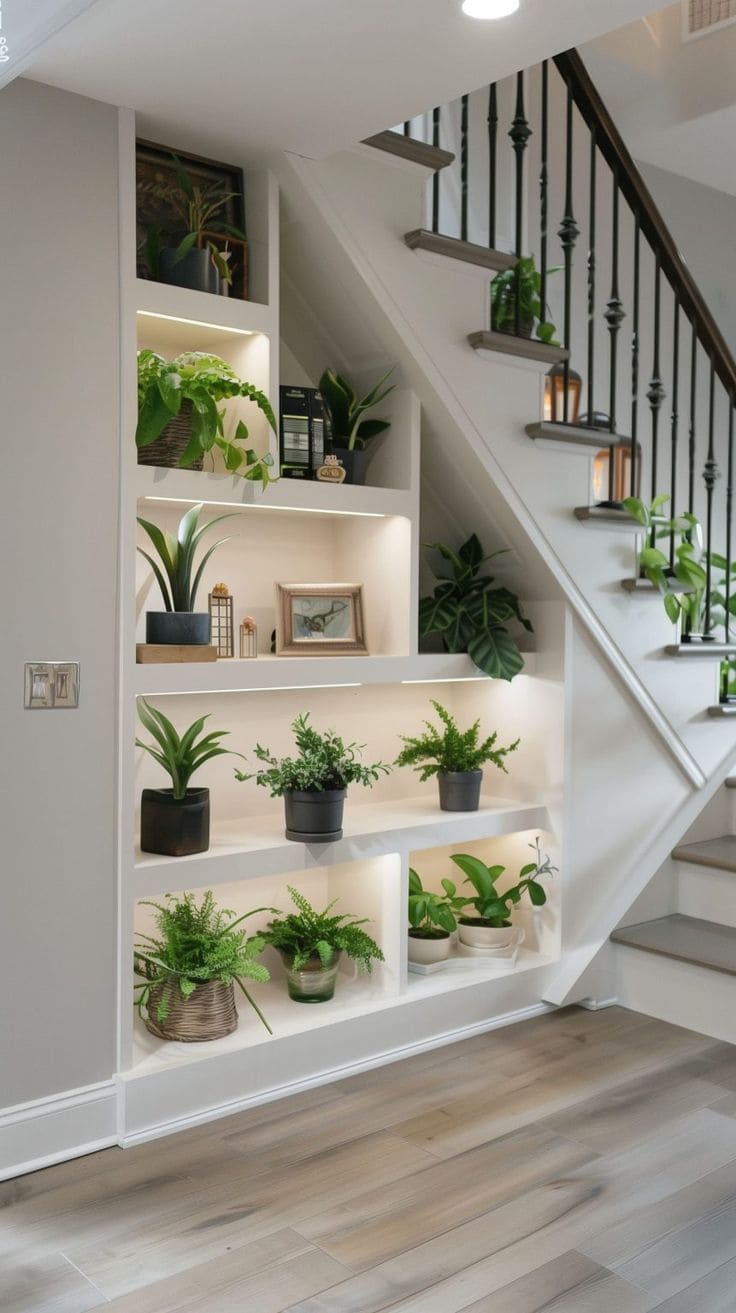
311	944
179	420
178	581
314	783
188	970
456	757
195	262
521	284
432	920
176	822
471	615
491	929
350	434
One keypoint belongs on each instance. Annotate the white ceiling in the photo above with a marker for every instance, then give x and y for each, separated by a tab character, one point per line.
308	76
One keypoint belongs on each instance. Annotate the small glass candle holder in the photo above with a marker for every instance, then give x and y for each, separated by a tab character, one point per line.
248	638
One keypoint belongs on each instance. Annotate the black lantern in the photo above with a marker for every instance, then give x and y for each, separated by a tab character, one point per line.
555	382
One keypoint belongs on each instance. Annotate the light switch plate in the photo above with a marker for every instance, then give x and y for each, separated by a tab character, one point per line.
51	685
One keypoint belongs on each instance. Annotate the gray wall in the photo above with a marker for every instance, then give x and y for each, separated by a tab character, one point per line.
59	402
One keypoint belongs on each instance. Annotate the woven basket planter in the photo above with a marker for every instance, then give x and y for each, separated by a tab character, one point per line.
208	1013
171	444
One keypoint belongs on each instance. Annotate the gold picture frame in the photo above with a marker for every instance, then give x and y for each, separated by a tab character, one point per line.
306	613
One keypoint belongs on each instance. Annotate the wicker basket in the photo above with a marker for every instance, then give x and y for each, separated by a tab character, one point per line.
171	444
208	1013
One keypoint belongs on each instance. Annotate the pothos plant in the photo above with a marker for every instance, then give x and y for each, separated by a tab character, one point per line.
323	762
471	614
203	380
682	580
521	286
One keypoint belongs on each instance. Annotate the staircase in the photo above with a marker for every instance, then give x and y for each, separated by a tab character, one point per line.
412	226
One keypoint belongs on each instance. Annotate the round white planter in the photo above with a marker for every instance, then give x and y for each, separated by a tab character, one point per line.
489	938
427	951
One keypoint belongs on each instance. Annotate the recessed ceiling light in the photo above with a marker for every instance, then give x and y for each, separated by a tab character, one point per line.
490	8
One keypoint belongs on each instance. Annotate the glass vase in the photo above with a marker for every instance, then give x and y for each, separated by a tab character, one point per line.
314	983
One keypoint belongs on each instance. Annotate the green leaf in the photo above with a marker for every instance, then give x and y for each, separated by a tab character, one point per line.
495	653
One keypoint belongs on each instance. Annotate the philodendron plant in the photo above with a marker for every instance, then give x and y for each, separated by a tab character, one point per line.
521	286
349	430
433	916
493	907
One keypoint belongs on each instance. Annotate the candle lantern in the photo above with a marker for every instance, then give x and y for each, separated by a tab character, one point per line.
221	620
612	490
248	638
554	395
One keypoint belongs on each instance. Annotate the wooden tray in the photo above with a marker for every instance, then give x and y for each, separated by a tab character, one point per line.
155	654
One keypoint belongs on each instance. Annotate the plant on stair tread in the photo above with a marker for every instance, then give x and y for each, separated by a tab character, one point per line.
521	284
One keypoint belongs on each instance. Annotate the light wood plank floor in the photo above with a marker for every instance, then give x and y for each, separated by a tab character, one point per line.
580	1162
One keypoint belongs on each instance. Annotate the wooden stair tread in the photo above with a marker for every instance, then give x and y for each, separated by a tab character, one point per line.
684	938
724	709
525	347
731	781
609	517
421	239
719	853
408	148
580	435
701	649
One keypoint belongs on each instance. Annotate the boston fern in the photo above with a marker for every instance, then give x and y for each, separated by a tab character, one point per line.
196	943
306	934
173	570
471	614
324	762
180	755
452	749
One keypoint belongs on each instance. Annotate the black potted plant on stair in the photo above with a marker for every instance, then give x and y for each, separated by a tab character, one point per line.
311	945
351	436
314	783
456	757
175	822
178	580
516	303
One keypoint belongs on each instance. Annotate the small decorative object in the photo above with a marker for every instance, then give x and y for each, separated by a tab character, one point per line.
350	433
556	382
170	392
179	623
191	221
522	284
456	757
432	919
471	615
490	929
315	619
302	432
311	944
221	620
186	990
314	783
176	822
248	637
332	471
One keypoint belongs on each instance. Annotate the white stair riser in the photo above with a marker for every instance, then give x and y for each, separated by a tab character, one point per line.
677	992
706	892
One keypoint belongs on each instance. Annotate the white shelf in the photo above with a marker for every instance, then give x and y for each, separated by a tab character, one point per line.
177	309
257	847
307	496
265	673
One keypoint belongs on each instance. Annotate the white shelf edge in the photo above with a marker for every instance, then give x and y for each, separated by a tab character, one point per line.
183	305
155	483
259	848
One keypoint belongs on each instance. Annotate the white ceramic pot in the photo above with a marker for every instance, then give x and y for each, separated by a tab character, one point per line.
475	935
427	951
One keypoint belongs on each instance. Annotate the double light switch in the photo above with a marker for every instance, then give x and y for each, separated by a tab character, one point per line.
51	685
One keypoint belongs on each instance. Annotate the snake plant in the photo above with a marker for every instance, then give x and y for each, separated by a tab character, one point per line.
176	557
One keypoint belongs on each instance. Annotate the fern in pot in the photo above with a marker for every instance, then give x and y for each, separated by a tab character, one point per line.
178	579
175	822
311	945
432	920
456	757
314	783
491	929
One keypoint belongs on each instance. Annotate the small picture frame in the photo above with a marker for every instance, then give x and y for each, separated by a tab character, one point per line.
320	620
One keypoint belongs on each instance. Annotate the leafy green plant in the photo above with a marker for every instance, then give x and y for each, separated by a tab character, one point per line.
682	583
196	209
492	906
307	934
432	916
471	614
176	555
180	755
522	283
324	762
196	943
349	431
203	380
452	749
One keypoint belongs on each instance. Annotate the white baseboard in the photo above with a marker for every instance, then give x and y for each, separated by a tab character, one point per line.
60	1126
327	1077
597	1004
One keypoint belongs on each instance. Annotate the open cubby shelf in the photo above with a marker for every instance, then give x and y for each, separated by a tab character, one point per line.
297	495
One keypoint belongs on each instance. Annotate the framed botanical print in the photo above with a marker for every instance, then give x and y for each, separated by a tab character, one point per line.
319	619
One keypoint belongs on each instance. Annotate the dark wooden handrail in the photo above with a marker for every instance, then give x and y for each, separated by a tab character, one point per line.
645	209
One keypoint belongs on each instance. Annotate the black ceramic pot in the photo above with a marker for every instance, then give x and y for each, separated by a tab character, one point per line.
314	817
194	270
460	790
183	627
175	827
355	463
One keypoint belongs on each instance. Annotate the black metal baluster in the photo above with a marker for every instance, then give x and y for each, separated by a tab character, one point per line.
614	314
464	170
691	435
675	420
568	234
729	512
436	178
656	393
591	284
519	132
635	362
544	190
710	476
492	163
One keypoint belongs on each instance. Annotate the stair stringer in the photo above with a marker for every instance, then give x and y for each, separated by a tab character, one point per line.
422	308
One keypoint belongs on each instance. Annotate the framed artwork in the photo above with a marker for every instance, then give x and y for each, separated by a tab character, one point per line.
318	619
156	180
